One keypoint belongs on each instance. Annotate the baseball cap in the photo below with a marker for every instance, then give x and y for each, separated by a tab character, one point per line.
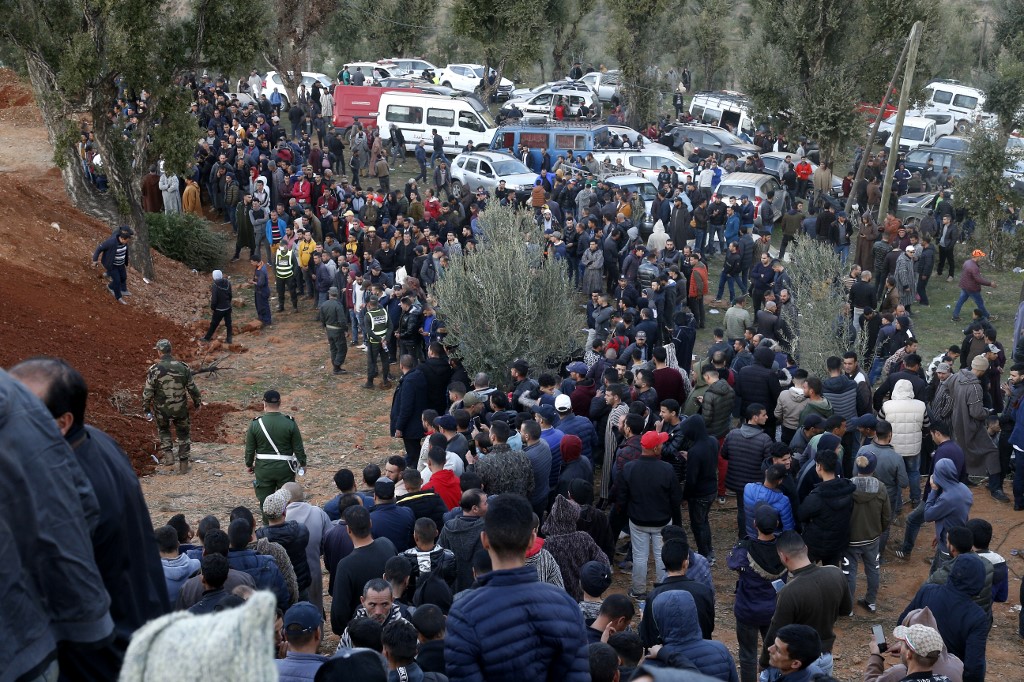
866	463
384	488
163	345
578	367
470	399
272	397
641	335
446	422
595	578
743	196
993	348
978	253
546	411
301	618
865	421
274	504
563	403
909	249
921	639
813	420
653	439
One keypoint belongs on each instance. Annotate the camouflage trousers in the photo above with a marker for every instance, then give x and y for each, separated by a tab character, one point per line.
183	430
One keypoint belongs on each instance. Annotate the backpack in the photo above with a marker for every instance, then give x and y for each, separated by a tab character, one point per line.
618	343
942	404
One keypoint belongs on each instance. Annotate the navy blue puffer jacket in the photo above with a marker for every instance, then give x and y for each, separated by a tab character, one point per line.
513	627
676	615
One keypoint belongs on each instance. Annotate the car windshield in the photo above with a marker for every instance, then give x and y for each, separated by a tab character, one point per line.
510	167
912	133
951	143
731	191
725	137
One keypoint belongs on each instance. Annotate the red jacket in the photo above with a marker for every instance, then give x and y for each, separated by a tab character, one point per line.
971	280
446	484
301	190
803	170
698	282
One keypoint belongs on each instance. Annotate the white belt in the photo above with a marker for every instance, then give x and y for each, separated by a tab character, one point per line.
283	458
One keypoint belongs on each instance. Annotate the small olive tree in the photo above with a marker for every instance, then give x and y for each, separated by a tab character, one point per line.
507	300
817	274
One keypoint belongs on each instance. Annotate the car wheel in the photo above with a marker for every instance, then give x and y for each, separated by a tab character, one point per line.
456	188
285	106
963	126
447	84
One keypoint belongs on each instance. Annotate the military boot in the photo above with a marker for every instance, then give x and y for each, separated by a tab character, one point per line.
167	459
183	466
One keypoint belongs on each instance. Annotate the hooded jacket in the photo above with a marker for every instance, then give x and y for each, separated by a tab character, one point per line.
756	494
790	405
571	548
746	449
176	572
951	505
825	514
675	613
968	423
871	510
908	417
220	295
758	383
984	597
757	566
701	458
462	536
717	408
294	537
962	623
947	664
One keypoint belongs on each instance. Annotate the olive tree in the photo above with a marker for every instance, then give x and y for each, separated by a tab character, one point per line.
816	272
82	56
507	300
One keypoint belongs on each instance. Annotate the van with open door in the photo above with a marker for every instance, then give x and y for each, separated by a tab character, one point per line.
725	109
458	120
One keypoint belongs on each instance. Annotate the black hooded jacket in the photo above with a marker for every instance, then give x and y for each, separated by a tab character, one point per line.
701	459
826	516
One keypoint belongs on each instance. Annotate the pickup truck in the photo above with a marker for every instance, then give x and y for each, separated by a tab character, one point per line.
604	83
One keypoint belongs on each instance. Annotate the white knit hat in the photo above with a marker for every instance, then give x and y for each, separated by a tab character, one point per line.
217	275
238	643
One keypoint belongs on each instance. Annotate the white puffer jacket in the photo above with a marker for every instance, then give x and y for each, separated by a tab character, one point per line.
908	417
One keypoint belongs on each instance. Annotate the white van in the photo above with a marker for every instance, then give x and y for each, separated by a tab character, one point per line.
966	104
917	131
725	109
459	120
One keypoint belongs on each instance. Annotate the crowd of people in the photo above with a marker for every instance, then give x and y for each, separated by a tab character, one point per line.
486	551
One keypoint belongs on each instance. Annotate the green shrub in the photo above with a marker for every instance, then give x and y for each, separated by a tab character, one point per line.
187	238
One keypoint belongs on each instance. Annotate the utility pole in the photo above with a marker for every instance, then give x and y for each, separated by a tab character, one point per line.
908	81
874	129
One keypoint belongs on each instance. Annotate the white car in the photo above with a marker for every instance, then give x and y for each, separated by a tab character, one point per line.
374	71
467	77
487	169
272	83
520	93
605	84
647	162
405	65
543	101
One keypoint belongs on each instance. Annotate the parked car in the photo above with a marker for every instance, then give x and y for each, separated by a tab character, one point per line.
468	77
953	143
709	140
374	71
420	85
773	164
965	103
244	98
520	93
945	123
543	101
914	206
604	83
916	160
487	169
917	131
413	65
755	185
272	82
647	162
726	109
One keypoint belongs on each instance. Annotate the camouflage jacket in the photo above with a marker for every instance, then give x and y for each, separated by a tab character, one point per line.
169	384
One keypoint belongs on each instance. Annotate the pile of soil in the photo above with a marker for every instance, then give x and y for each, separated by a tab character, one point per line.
17	104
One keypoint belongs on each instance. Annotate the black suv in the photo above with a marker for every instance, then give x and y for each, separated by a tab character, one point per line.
708	140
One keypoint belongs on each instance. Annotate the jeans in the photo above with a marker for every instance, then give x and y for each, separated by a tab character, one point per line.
913	466
895	502
1018	479
643	538
423	171
435	156
353	318
922	289
699	508
868	554
717	233
876	370
974	296
229	217
118	275
915	520
746	637
698	240
741	516
732	280
843	251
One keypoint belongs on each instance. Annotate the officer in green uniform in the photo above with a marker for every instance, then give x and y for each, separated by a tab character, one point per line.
376	330
273	448
334	318
169	385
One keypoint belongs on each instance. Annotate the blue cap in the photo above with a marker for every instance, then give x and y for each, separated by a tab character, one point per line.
446	422
865	421
546	411
578	367
301	618
841	214
744	196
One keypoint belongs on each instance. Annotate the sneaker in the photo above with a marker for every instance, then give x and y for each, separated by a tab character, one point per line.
955	319
637	595
950	278
361	347
867	605
625	565
111	290
721	500
1000	496
126	293
901	555
341	370
368	384
122	301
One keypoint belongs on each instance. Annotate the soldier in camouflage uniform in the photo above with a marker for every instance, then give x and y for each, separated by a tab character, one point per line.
169	385
273	448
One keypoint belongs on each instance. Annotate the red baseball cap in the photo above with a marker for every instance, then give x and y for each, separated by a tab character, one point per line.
653	439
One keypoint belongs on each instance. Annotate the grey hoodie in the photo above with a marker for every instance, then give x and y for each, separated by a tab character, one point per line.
176	572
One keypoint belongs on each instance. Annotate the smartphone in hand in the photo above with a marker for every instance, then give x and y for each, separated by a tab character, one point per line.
880	638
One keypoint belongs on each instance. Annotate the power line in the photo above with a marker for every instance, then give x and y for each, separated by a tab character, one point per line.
379	17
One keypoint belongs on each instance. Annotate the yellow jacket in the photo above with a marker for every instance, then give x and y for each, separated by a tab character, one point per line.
305	251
